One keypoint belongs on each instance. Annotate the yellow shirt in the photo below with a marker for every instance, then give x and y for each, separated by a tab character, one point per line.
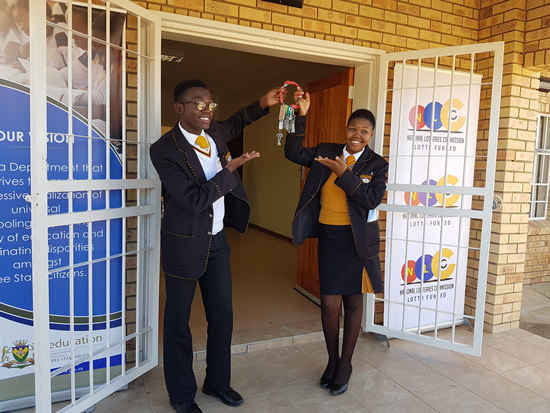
334	206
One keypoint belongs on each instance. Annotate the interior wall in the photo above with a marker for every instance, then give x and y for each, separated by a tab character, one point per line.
272	182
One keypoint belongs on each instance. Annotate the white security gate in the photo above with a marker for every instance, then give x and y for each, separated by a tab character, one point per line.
438	114
89	325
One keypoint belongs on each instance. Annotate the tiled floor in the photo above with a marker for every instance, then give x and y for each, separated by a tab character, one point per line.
535	309
281	374
512	375
279	355
265	303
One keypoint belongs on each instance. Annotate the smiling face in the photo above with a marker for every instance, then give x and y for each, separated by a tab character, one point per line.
358	134
192	119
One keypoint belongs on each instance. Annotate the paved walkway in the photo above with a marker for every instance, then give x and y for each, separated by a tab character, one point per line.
535	309
282	375
512	375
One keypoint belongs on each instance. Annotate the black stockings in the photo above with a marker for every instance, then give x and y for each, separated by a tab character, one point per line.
339	367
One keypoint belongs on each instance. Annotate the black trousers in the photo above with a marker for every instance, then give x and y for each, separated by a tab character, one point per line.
215	286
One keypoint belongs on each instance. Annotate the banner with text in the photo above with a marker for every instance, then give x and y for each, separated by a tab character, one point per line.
433	142
89	254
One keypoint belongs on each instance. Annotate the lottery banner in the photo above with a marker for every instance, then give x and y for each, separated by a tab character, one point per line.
433	142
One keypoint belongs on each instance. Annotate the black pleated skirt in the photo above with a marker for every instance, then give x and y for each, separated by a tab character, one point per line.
340	269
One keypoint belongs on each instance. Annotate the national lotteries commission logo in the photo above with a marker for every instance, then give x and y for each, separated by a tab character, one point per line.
428	267
20	355
431	199
438	116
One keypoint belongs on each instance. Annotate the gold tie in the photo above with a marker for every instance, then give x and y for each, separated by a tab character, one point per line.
350	160
202	145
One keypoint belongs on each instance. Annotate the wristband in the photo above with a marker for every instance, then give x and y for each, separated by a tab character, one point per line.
290	82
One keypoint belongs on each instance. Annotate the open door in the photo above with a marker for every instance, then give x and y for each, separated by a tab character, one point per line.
326	121
441	112
81	317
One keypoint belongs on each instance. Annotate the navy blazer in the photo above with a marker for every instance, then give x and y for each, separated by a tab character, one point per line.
364	185
186	229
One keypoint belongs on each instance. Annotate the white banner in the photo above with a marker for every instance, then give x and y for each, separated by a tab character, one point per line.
433	142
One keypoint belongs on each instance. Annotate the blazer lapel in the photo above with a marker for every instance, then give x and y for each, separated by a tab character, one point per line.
190	154
220	146
362	161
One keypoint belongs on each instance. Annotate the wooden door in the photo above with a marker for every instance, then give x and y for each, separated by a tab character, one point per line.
326	122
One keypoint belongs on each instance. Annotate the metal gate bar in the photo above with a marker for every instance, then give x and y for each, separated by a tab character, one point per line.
460	60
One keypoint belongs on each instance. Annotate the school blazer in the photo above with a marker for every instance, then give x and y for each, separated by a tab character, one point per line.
364	185
186	228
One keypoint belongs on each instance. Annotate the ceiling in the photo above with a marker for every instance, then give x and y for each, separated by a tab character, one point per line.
225	71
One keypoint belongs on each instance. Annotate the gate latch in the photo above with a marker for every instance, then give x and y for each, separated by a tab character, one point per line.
497	202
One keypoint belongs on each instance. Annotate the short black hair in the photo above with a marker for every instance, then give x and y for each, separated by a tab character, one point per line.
184	86
363	114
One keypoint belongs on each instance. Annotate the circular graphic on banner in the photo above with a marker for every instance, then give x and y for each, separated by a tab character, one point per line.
15	212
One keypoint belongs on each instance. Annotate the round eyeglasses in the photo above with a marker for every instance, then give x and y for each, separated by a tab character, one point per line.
202	105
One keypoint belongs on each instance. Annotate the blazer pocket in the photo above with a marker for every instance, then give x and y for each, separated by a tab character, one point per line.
373	234
175	234
174	243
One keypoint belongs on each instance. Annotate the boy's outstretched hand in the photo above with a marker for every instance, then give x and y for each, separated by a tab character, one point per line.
241	160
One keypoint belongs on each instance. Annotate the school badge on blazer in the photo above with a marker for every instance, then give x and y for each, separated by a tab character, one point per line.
228	157
366	178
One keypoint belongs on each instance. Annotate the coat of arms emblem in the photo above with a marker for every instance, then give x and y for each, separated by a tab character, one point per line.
20	355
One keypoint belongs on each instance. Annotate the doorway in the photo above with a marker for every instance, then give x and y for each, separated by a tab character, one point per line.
268	50
264	260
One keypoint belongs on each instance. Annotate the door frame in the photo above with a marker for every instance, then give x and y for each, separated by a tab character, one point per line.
251	40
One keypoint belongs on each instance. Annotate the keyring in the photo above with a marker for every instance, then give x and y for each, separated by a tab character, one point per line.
290	82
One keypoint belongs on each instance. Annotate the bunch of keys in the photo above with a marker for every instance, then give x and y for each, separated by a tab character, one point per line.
286	113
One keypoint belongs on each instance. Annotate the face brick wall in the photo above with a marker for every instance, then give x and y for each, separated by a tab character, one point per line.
394	26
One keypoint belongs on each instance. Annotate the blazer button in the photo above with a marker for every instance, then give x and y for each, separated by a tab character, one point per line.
209	233
210	215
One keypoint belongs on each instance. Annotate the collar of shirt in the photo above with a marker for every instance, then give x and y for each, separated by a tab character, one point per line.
191	137
355	155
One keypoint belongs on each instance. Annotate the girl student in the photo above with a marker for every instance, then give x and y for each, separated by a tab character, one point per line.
346	182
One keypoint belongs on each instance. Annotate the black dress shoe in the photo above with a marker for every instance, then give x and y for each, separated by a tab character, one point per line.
337	389
326	382
229	397
186	407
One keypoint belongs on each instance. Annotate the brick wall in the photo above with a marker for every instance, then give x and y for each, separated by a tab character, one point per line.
392	25
537	37
131	195
537	263
505	21
379	24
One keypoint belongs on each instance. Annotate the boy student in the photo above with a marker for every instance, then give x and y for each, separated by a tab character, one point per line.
202	194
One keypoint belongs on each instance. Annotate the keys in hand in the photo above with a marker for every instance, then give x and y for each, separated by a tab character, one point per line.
287	120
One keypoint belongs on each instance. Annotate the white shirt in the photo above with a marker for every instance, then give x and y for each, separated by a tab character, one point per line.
355	155
211	165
